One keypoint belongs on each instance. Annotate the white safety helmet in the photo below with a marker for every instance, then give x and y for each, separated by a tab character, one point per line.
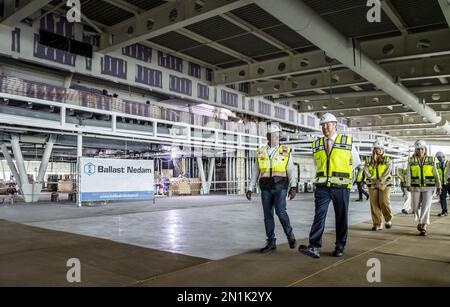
440	154
272	128
420	144
327	118
378	144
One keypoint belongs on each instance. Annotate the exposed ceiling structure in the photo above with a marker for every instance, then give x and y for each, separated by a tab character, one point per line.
382	76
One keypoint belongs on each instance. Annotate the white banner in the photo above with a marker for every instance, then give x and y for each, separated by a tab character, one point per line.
116	179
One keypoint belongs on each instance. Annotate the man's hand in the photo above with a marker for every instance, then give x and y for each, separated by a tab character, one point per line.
292	192
438	192
248	194
408	189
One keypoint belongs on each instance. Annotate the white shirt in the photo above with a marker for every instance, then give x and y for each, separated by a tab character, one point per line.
291	170
356	160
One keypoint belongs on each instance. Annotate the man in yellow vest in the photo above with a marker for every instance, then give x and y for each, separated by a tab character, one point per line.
277	176
336	158
442	167
360	178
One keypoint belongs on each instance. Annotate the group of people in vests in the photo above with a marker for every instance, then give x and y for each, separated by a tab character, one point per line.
336	159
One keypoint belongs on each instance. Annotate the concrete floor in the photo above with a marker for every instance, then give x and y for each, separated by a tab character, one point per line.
212	227
177	243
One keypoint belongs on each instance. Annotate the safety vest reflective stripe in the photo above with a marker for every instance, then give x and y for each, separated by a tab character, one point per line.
422	175
336	169
275	167
378	171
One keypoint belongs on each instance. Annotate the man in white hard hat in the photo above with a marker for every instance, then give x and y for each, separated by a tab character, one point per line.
277	176
422	180
442	167
335	158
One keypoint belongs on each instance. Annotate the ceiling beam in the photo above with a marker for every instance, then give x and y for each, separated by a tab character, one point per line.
230	17
394	16
382	111
309	98
215	45
13	15
419	69
398	48
390	121
370	101
126	6
178	54
162	19
445	7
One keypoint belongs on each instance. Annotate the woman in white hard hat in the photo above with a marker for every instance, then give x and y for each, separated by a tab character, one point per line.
379	180
422	180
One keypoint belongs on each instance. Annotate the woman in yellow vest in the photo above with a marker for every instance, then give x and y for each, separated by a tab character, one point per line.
422	180
379	180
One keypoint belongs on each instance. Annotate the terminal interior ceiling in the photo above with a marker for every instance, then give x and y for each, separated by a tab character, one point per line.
192	85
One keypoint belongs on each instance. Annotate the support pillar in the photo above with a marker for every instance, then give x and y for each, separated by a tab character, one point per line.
201	172
212	163
45	159
79	156
11	165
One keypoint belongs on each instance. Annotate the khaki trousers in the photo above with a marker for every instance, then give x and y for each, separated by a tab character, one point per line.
380	204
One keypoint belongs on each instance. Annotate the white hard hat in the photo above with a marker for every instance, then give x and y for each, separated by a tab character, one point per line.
326	118
378	144
440	154
420	144
272	128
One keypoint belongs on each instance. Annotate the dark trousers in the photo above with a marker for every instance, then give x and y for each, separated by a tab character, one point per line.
275	200
361	190
323	197
443	198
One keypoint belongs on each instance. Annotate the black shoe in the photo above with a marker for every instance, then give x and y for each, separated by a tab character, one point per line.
443	214
310	251
292	241
338	251
423	233
270	247
367	197
404	211
358	199
388	225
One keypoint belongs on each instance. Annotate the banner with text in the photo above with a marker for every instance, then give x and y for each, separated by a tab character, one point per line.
116	179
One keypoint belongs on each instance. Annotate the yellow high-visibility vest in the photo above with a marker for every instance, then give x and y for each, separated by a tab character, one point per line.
422	175
442	171
275	167
379	170
360	176
336	169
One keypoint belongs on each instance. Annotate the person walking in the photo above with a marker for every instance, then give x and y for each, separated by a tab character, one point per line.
379	180
442	167
277	176
422	180
360	178
335	158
